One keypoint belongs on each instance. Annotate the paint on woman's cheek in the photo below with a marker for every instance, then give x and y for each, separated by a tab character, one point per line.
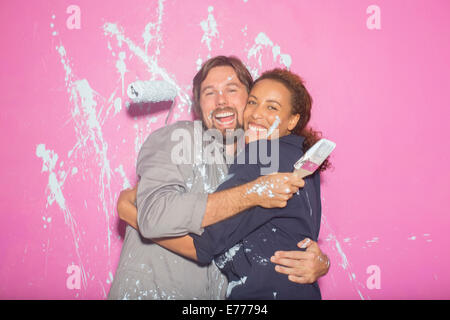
274	126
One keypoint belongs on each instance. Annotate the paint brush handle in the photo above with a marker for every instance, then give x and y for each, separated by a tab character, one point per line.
313	158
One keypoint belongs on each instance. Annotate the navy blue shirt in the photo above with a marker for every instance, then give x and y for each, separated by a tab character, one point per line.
242	245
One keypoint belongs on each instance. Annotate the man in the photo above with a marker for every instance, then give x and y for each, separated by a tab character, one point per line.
174	199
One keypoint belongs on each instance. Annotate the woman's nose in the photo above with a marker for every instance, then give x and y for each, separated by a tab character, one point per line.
257	113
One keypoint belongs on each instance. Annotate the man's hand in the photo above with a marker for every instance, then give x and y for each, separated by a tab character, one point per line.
270	191
302	266
274	190
127	196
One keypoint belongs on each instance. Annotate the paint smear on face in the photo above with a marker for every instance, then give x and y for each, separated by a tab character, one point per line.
274	126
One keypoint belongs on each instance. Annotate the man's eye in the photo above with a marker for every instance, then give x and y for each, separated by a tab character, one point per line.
251	102
210	93
271	108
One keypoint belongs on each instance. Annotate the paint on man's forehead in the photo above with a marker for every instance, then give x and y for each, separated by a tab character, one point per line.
229	78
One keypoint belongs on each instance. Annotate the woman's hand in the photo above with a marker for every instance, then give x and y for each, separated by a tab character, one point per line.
302	266
126	206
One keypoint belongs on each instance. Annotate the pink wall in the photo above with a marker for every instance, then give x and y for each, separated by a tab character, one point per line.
69	146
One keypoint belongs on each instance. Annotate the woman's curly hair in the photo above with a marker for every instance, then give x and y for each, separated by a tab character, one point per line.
301	102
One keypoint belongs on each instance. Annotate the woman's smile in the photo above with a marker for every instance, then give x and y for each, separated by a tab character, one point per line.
268	113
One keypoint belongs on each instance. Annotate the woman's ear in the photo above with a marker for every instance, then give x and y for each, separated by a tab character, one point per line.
293	120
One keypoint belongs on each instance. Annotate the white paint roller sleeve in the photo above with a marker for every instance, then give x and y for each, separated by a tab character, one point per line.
151	91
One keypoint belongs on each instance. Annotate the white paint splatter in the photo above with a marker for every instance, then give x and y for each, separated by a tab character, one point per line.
309	203
305	244
117	104
122	68
199	63
153	30
274	126
88	128
112	30
54	188
373	240
222	260
260	260
234	284
139	138
262	41
126	184
344	262
209	27
261	188
110	278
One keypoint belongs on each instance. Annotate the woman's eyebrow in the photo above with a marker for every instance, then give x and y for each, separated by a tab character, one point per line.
274	101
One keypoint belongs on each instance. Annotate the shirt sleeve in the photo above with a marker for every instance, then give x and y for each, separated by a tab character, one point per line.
165	206
219	237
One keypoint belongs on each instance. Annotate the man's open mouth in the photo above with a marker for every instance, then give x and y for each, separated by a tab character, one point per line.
225	118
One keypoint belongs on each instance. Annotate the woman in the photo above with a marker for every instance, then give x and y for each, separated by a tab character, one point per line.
277	112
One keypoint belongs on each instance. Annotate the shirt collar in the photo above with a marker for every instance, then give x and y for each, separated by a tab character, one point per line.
293	139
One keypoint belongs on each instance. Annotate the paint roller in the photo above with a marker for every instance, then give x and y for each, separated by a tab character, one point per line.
152	91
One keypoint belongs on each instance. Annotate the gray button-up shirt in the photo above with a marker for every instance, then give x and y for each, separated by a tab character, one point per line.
171	200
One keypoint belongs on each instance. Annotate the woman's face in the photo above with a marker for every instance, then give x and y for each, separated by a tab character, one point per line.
268	113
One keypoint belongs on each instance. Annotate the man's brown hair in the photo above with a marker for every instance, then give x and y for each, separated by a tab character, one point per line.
242	73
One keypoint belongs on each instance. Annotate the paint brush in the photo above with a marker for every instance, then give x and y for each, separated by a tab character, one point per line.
313	158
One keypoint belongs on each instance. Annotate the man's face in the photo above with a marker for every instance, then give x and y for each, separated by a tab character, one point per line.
222	99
